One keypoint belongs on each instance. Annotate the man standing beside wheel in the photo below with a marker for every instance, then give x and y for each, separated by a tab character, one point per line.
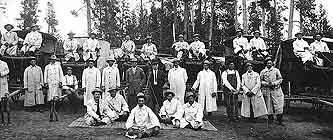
33	82
53	76
91	79
271	80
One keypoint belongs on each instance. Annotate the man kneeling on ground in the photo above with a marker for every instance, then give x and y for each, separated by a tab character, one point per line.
171	107
97	110
191	114
142	122
117	104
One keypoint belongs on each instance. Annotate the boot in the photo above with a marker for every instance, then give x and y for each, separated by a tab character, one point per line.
279	119
270	118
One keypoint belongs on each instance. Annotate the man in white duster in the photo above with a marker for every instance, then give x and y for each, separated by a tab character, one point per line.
53	77
253	103
206	81
91	79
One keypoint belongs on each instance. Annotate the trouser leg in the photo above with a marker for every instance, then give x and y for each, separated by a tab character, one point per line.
279	118
235	106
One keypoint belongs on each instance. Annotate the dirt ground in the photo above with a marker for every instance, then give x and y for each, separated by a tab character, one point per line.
301	123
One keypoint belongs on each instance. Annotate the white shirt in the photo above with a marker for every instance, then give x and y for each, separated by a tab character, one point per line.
70	45
110	77
225	79
69	81
240	43
91	45
142	117
92	108
258	43
192	112
117	103
9	37
155	76
170	108
181	45
197	46
53	73
33	38
128	45
319	46
149	48
299	45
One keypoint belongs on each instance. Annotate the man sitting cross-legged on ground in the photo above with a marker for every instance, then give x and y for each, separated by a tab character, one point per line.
171	107
142	122
191	114
97	110
117	104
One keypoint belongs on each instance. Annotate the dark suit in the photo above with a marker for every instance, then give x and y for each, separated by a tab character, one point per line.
157	87
135	82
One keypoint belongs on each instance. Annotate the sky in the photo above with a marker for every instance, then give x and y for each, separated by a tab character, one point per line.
78	25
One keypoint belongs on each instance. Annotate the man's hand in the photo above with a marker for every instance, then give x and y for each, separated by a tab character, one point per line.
214	94
84	89
60	84
6	44
103	88
163	116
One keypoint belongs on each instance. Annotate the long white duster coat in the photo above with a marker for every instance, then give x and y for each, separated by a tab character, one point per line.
206	80
91	79
4	71
33	81
251	83
53	75
177	78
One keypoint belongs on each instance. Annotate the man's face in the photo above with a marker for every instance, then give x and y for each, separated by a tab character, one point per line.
176	64
52	61
91	64
299	36
181	39
97	95
71	36
134	64
148	40
231	66
169	97
35	28
318	37
196	39
239	34
249	68
269	64
127	37
93	36
141	101
113	93
155	66
256	35
110	63
191	99
69	72
33	62
206	66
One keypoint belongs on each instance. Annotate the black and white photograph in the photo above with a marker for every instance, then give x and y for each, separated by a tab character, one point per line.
166	69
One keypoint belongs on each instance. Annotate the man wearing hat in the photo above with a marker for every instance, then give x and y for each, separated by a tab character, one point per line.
70	87
180	45
242	46
191	114
142	121
302	48
157	80
271	80
117	105
197	48
206	81
128	46
32	41
9	41
97	110
91	79
53	77
91	47
318	47
70	46
135	80
177	78
149	49
33	82
253	104
259	45
171	107
110	76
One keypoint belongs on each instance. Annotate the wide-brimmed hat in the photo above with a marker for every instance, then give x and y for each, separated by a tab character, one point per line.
97	90
299	33
189	94
71	33
166	93
11	26
180	36
113	89
33	58
134	60
34	25
149	37
90	60
140	95
257	32
196	35
53	57
176	60
248	64
154	62
110	59
318	34
268	59
206	62
239	30
69	68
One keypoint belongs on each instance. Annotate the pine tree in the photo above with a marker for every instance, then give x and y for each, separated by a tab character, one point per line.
275	22
29	13
51	19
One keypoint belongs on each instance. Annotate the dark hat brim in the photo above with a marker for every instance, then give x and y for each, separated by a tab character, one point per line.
169	92
9	25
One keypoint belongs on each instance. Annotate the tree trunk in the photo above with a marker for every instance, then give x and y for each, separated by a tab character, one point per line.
199	20
186	19
211	23
291	19
236	18
245	23
162	23
263	21
88	16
